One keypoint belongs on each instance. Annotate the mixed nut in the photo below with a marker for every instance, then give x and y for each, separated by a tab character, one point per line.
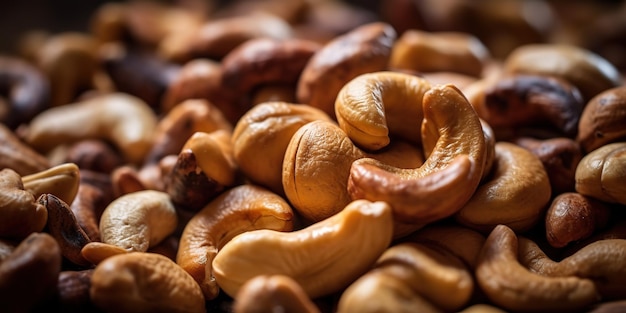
311	156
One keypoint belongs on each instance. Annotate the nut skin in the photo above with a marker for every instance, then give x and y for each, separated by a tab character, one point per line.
364	49
600	174
603	120
18	156
20	213
270	293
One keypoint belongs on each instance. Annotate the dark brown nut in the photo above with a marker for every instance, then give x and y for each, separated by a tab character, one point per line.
266	61
24	91
6	248
291	11
560	157
271	293
603	120
73	291
363	50
94	155
18	156
28	277
334	18
589	72
573	217
423	51
532	101
137	73
20	213
91	199
62	225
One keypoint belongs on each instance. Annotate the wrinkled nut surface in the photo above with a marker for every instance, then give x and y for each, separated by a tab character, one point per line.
125	120
441	51
323	258
364	49
20	213
138	220
235	211
512	286
61	180
454	144
601	173
272	293
516	194
144	282
603	120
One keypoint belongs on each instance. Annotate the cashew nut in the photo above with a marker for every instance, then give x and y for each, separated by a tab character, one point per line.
237	210
95	155
20	213
138	220
125	120
61	180
323	258
601	173
214	155
18	156
272	293
603	120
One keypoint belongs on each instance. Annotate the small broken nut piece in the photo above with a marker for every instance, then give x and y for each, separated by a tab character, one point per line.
601	173
20	213
272	293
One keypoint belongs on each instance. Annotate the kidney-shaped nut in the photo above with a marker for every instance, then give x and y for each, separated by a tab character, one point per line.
237	210
138	220
18	156
454	144
61	180
25	89
323	258
515	195
363	50
603	120
272	293
20	213
262	135
144	282
572	217
602	172
589	72
214	155
510	285
423	51
125	120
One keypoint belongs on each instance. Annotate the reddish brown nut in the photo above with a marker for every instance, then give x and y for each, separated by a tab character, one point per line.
18	156
362	50
24	91
272	293
73	291
94	155
28	277
95	192
603	120
572	217
6	248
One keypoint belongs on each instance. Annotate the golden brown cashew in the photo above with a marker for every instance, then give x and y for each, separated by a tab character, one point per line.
261	137
214	155
603	120
601	173
144	282
272	293
20	213
123	119
240	209
510	285
515	195
61	180
18	156
323	258
138	220
450	174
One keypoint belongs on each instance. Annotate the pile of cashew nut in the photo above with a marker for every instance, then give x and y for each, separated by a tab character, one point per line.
310	156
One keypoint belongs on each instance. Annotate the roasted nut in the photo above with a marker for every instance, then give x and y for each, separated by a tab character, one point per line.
589	72
362	50
481	308
18	156
499	270
271	293
92	198
214	155
603	120
28	277
423	51
261	137
609	307
144	282
237	210
20	213
125	120
96	252
323	258
25	91
61	180
94	155
73	291
273	93
600	174
454	144
138	220
6	248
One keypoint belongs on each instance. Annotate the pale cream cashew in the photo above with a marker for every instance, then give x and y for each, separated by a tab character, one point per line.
61	180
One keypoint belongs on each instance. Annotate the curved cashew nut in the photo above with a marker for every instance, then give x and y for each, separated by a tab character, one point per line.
61	180
138	220
273	293
603	120
144	282
214	155
20	213
510	285
448	177
18	156
601	173
323	258
515	195
123	119
237	210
